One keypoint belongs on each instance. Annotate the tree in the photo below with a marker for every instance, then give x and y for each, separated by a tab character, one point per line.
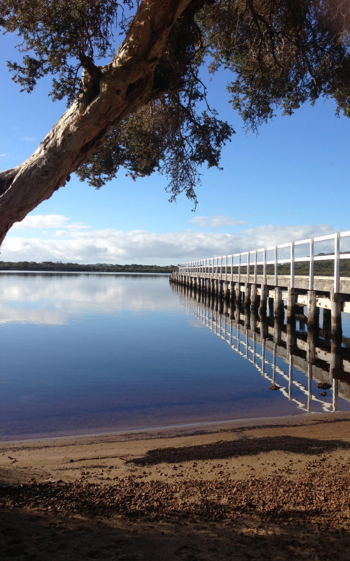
143	109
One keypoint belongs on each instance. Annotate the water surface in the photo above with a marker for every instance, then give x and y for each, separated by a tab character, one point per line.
84	353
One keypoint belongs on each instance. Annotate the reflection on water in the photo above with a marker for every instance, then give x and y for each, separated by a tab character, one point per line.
262	339
88	353
53	299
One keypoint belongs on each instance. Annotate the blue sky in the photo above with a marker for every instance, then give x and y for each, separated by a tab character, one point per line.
288	183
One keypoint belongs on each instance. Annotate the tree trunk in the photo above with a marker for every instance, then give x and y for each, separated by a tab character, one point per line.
125	85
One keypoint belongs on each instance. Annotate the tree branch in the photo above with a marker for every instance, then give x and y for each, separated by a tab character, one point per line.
124	85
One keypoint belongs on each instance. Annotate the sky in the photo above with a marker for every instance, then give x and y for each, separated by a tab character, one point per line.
288	183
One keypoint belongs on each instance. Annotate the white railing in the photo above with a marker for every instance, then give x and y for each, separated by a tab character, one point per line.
223	266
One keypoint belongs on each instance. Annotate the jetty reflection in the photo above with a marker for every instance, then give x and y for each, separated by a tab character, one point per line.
264	338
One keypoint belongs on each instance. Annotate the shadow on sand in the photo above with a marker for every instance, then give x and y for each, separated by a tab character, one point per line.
239	448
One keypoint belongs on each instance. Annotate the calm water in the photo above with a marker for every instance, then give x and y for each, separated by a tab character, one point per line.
83	353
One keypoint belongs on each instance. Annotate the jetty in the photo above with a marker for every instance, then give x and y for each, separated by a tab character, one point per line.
306	273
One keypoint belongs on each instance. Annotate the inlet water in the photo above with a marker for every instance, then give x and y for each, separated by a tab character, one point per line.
83	353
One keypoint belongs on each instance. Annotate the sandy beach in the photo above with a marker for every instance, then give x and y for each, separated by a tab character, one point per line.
273	489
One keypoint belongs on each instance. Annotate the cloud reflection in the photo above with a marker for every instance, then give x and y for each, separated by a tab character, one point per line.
54	299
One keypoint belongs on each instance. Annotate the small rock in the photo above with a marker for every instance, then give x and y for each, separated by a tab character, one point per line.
324	386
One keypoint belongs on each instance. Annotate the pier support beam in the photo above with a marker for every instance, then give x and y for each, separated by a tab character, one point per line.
312	338
220	288
336	362
291	338
277	330
313	312
291	302
253	319
326	324
254	298
232	292
264	328
263	299
238	293
336	307
278	304
247	296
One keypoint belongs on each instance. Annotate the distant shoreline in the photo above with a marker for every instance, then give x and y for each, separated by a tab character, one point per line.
59	267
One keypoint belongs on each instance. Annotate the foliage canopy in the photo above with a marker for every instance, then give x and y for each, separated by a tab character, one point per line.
282	53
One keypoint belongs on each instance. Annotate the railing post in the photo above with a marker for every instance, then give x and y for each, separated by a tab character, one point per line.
311	268
276	265
239	268
232	268
226	268
292	265
336	263
248	265
264	266
256	267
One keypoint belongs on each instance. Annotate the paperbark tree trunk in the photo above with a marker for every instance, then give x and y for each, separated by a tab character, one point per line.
125	84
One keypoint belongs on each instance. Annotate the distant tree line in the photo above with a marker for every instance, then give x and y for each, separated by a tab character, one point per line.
76	267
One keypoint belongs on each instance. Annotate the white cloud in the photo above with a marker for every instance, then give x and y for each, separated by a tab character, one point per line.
43	221
28	138
3	155
139	246
216	221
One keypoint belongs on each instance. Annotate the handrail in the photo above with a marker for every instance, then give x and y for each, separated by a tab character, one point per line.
219	265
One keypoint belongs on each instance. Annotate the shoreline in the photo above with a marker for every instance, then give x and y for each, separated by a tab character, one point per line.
277	486
176	428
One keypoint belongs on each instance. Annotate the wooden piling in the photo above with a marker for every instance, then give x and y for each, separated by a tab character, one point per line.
312	338
254	297
291	301
313	312
278	303
238	293
247	296
263	299
336	307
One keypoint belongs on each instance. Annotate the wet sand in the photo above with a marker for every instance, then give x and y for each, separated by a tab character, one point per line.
273	489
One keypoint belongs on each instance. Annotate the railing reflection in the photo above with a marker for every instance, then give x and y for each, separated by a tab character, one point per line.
261	339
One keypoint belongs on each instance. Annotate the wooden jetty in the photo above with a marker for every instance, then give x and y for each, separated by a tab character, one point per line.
257	278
